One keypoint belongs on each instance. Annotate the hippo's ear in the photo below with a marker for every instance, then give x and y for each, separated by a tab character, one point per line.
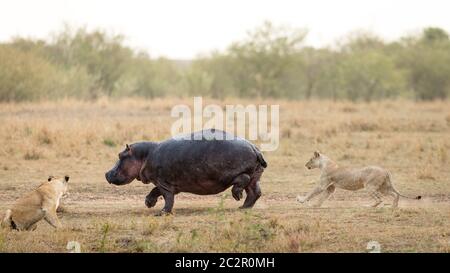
316	154
128	149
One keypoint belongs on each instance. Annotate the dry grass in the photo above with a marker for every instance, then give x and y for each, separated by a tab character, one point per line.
82	139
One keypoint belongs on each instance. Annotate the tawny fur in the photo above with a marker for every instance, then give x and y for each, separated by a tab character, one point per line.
376	180
39	204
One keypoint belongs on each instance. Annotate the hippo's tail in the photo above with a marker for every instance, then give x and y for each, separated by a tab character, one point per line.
259	157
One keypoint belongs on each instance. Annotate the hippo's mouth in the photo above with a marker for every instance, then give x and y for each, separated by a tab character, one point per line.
113	179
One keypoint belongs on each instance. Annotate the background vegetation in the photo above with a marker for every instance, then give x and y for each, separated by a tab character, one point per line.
271	62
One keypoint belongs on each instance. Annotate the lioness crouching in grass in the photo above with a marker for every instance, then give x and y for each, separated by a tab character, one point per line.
39	204
376	180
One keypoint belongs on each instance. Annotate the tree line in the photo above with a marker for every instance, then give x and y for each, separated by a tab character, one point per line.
271	62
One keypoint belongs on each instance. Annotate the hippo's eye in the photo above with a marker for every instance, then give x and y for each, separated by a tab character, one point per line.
123	156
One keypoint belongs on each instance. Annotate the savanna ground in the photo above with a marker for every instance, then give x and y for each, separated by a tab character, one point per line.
82	139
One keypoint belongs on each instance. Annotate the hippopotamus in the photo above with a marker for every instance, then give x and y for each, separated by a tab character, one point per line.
204	162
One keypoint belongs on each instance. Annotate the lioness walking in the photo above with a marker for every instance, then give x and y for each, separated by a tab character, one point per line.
39	204
375	179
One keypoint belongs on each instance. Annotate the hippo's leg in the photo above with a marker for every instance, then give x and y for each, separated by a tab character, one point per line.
169	199
152	197
239	184
253	192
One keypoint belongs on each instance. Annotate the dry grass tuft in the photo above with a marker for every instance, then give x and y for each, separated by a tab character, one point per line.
443	154
426	172
33	154
45	137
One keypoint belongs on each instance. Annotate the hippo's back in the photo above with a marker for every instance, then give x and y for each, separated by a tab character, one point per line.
205	162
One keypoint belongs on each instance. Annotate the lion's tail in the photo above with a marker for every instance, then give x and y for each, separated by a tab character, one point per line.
418	197
6	223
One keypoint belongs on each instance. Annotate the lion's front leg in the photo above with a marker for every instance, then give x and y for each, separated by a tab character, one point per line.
52	218
310	195
322	186
325	195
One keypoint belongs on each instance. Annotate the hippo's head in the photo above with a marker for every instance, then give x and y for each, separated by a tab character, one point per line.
126	169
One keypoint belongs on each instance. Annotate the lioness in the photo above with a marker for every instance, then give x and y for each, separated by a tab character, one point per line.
39	204
376	180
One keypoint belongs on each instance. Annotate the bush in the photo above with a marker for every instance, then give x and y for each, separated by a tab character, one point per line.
271	61
25	76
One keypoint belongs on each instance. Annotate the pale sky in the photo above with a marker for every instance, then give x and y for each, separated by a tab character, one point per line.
182	29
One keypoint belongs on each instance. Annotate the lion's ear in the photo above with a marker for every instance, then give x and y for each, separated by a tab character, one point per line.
316	154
